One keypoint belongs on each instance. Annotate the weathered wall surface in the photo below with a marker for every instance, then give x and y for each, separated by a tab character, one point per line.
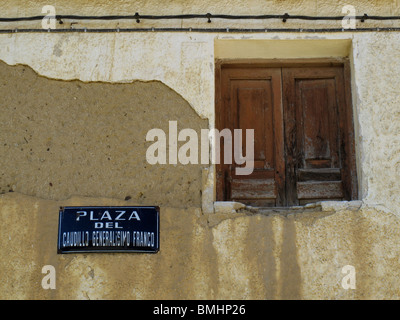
247	255
188	70
376	97
64	138
128	83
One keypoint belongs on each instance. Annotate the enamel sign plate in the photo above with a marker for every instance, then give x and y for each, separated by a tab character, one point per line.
108	229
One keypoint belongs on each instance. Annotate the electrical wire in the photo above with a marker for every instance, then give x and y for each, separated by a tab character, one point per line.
207	16
138	17
200	30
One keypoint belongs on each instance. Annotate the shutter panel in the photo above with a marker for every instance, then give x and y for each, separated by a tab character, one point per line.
314	141
251	99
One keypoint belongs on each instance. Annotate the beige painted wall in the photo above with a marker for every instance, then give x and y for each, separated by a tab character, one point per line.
204	254
245	255
105	57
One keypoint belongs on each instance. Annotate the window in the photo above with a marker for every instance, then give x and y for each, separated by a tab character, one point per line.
303	132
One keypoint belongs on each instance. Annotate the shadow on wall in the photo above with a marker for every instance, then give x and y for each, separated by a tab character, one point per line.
63	138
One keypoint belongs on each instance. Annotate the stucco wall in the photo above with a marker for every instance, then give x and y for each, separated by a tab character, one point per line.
204	254
244	255
189	71
65	138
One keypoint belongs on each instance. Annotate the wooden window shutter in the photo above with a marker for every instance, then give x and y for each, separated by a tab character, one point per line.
317	137
251	99
303	127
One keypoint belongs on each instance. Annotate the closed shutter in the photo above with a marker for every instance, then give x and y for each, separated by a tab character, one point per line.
303	129
315	117
251	99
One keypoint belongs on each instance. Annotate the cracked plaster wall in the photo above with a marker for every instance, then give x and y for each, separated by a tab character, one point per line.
246	254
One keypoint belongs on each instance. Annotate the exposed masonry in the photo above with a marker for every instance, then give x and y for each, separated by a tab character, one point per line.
231	210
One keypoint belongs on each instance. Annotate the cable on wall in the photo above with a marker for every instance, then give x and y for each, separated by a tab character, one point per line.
138	17
200	30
